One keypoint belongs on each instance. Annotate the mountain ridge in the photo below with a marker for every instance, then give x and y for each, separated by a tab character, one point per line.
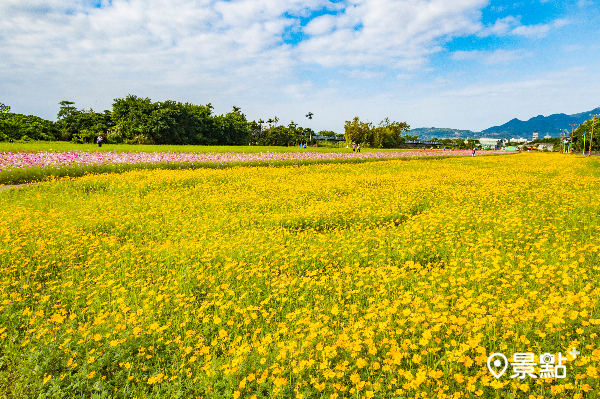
545	125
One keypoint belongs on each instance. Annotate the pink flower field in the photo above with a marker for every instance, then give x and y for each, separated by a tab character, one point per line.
53	159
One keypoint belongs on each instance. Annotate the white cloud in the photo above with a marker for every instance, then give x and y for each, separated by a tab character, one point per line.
539	30
398	34
211	48
363	74
237	52
321	25
147	43
404	76
491	57
502	26
573	47
506	56
512	26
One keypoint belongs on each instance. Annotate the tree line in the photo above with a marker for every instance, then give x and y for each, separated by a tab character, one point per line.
138	120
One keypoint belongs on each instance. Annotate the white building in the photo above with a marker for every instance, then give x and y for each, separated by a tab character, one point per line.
492	144
547	136
535	135
521	140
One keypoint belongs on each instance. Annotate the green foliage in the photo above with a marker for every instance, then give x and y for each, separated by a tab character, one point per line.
15	127
141	121
551	140
357	131
290	135
81	126
387	135
4	109
584	130
327	133
277	135
231	128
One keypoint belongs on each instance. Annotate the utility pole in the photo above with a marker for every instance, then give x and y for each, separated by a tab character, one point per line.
572	130
592	135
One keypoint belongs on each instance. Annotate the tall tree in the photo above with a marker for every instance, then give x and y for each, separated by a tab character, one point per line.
356	131
387	135
309	116
81	125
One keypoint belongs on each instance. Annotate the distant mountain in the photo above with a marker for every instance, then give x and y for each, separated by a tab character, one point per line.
545	125
551	125
427	133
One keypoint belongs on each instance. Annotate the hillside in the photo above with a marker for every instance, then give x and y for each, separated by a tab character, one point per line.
516	128
427	133
551	125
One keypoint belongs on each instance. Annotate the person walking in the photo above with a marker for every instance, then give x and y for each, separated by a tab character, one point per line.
358	148
353	146
99	141
473	152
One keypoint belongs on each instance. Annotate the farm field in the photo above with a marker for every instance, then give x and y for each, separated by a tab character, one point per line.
393	279
28	166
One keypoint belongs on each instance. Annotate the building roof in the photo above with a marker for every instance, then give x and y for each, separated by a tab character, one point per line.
489	140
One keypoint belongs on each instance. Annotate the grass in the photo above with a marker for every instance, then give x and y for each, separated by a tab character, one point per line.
385	280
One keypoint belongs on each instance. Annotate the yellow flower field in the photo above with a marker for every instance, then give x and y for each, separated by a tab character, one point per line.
390	279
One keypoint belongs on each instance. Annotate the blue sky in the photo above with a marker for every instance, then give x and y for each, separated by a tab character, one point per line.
465	64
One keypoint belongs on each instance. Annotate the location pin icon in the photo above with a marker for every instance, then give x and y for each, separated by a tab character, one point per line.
497	363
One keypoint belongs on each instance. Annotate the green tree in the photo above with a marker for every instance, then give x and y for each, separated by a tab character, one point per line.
277	135
83	125
169	122
26	127
584	130
356	131
389	134
67	120
131	116
327	133
310	116
232	128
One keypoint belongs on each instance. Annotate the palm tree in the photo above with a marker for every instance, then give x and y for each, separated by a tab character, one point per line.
309	116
